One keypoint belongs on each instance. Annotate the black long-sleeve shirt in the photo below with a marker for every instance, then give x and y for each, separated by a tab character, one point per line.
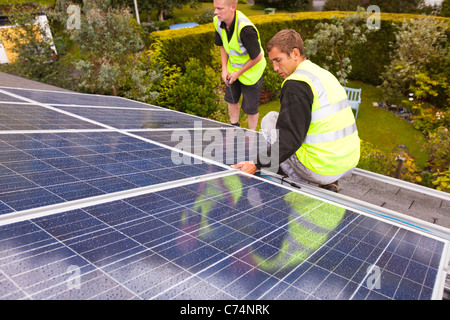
293	121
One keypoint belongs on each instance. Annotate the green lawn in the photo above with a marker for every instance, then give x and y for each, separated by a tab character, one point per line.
187	14
247	9
380	127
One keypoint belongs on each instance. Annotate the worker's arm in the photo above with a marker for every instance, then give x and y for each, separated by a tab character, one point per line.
224	58
293	122
292	126
249	38
235	75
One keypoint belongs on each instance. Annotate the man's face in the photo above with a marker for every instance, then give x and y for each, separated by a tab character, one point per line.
282	63
224	11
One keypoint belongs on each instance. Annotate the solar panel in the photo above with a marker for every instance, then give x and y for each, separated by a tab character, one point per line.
33	117
141	119
107	211
71	98
48	168
223	145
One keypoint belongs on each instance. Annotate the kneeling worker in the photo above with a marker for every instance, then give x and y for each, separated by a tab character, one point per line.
316	133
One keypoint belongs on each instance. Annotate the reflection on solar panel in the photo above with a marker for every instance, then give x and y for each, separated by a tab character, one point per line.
96	204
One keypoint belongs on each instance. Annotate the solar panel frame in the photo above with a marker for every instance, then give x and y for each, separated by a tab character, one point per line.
186	281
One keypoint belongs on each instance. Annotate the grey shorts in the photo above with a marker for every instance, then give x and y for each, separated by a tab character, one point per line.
250	95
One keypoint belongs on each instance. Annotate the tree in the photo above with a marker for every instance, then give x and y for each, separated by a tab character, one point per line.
445	8
334	41
31	43
112	57
420	61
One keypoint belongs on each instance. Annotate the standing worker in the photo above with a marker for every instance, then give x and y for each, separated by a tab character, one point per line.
316	133
243	61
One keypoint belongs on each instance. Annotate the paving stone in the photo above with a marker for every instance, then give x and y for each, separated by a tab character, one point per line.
426	199
445	205
400	205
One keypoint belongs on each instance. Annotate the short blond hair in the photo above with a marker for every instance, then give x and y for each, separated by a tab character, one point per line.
230	2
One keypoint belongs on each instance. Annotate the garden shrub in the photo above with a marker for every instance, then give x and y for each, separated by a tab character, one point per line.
35	59
374	160
420	48
107	39
195	91
272	82
334	42
368	60
205	17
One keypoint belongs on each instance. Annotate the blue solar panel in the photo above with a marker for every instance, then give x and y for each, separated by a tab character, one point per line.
48	168
71	98
226	236
8	98
32	117
224	145
142	119
211	240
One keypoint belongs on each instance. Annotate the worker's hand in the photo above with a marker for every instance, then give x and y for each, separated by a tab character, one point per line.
246	166
233	77
225	76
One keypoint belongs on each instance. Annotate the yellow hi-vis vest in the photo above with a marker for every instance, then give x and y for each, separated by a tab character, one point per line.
332	145
237	54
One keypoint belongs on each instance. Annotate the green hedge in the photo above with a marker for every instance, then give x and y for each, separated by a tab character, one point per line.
176	47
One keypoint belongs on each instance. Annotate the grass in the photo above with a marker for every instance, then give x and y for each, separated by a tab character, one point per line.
381	128
247	9
187	14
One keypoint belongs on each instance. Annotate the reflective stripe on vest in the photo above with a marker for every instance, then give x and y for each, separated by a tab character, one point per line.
326	108
330	136
237	53
331	145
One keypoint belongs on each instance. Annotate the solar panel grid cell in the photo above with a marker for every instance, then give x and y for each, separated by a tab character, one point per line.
227	146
